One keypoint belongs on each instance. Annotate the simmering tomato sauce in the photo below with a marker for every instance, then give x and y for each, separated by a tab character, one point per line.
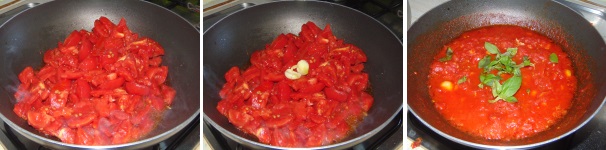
546	90
102	87
300	91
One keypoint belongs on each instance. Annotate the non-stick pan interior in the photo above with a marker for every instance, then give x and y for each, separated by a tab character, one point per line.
25	38
567	28
231	41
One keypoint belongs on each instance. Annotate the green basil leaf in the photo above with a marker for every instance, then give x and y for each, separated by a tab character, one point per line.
512	51
484	62
491	48
463	79
448	55
527	61
511	99
509	68
496	88
553	58
498	66
511	86
489	79
517	72
505	60
491	65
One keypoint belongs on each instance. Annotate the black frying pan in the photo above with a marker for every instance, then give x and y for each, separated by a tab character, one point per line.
231	41
577	36
25	37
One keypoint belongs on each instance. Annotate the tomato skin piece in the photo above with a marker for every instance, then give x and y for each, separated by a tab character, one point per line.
83	89
112	84
238	118
168	94
84	136
274	76
138	89
264	135
26	76
158	74
232	74
105	126
38	119
76	122
53	126
335	94
367	101
73	39
46	72
118	114
314	88
88	64
157	103
71	75
279	42
102	105
85	48
21	110
260	94
359	81
66	135
121	133
284	91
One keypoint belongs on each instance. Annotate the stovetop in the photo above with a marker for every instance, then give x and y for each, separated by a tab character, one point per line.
187	138
388	12
590	136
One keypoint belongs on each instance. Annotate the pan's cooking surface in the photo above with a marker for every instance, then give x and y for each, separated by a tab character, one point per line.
178	36
591	136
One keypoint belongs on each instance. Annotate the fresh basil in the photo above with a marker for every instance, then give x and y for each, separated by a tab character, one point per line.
511	86
503	64
484	62
496	89
463	79
553	58
491	48
526	62
448	55
511	99
512	51
517	72
489	79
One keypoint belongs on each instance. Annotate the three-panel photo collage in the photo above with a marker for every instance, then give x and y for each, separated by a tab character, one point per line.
302	74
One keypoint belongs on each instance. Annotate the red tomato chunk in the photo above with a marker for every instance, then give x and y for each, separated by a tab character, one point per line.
545	94
318	108
97	88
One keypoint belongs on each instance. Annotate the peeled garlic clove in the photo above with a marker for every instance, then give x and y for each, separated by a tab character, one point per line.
302	67
291	74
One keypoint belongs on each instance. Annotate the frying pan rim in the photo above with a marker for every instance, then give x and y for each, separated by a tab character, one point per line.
146	141
477	145
341	143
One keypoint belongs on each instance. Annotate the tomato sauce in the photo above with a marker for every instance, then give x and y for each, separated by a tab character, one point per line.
101	87
318	108
543	98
